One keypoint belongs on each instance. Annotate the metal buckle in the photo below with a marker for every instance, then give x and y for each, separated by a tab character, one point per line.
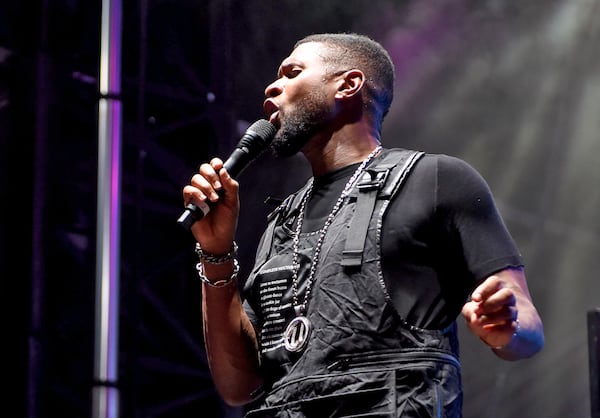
368	183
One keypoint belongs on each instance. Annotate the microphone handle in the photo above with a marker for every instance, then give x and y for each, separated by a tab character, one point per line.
191	214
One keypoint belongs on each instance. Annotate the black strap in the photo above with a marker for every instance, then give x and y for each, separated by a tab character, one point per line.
289	207
372	181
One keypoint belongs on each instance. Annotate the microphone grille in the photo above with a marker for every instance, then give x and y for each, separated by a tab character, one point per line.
264	129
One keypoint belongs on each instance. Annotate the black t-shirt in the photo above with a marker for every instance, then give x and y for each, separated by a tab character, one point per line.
442	234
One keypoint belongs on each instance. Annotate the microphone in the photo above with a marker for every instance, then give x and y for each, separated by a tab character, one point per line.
255	140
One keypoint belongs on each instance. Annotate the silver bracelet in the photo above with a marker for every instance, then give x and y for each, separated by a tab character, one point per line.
218	283
512	338
216	258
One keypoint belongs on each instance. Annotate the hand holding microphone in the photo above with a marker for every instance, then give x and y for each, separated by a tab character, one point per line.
255	140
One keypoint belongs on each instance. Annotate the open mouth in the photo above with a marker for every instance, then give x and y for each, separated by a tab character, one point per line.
272	112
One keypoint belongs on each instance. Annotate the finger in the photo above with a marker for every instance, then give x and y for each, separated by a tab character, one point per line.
507	329
217	165
489	286
205	185
230	185
468	310
210	174
499	318
498	300
192	194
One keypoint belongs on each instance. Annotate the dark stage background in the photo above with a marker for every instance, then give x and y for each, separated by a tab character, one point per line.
511	87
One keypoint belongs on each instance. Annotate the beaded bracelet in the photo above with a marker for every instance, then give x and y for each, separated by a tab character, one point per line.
214	258
218	283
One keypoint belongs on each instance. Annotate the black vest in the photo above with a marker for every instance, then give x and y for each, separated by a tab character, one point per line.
361	356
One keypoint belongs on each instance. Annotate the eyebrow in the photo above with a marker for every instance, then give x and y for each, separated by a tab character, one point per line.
287	64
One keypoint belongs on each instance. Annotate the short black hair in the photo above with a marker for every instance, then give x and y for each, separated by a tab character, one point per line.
352	50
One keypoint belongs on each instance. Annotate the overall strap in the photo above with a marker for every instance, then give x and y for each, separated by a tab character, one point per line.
380	181
285	209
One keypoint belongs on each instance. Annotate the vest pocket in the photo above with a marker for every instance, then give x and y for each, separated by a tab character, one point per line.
367	402
425	383
427	390
350	395
410	384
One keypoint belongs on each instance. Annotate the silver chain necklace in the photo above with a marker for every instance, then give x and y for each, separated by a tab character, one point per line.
296	333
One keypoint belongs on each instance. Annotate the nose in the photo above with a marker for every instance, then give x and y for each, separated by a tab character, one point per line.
274	89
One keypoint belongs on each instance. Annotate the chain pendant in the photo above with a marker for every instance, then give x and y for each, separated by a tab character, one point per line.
297	332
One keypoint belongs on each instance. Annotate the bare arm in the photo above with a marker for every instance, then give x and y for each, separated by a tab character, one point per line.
502	314
230	343
230	340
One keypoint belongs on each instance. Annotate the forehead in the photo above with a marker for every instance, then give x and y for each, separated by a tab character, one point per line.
310	53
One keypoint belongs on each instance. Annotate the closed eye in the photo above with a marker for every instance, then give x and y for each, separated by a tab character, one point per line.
289	71
293	73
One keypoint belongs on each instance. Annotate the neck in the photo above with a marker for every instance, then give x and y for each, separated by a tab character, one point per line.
339	149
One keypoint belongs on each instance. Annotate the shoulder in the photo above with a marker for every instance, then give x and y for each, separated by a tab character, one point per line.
430	160
446	163
446	172
442	166
451	181
451	172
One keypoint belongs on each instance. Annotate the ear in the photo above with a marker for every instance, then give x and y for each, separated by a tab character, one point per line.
350	83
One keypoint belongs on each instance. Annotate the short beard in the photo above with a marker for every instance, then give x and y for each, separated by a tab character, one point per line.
301	125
